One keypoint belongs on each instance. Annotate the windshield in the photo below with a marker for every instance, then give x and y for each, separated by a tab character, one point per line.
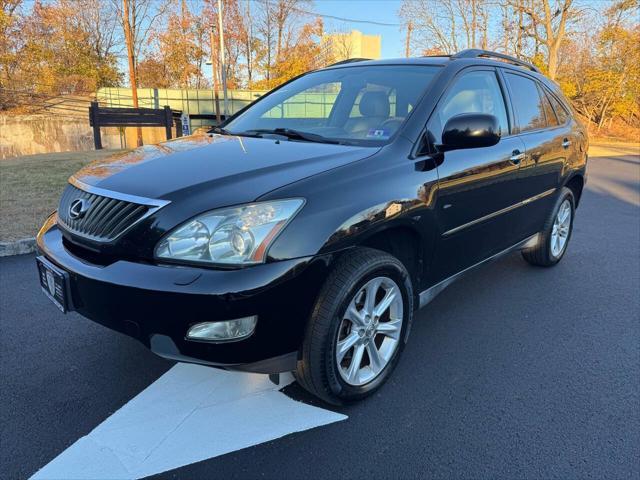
361	105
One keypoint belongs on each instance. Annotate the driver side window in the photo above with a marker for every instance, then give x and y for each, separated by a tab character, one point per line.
473	92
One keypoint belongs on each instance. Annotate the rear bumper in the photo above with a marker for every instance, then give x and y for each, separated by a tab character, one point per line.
156	304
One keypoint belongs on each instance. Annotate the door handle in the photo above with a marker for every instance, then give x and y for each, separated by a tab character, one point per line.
566	142
516	157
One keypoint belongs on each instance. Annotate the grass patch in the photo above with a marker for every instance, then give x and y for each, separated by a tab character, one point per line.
30	188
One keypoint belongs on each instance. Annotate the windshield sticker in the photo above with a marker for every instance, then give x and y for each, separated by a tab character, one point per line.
379	133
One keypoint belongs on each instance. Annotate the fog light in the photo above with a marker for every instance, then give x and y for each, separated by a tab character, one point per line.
223	331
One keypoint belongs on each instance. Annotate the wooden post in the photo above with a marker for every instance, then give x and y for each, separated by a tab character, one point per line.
178	123
94	119
168	121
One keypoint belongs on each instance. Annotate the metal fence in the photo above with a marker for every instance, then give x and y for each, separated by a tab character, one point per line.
191	102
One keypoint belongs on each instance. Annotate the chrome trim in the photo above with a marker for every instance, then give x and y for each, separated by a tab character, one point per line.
539	196
153	204
499	212
430	293
515	158
149	202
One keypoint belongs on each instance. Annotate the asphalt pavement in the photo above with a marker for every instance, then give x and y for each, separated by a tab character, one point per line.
512	372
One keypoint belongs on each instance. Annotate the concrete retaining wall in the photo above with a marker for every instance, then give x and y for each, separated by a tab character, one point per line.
31	134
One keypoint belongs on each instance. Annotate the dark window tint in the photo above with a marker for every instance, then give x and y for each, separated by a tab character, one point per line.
527	102
474	92
552	120
561	111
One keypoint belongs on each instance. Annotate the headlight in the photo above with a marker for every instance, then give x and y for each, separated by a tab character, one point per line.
231	236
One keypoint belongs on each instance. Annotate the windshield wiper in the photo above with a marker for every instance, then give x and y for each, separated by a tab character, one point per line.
224	131
294	135
219	130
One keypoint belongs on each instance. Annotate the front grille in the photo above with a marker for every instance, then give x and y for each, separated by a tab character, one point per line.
105	218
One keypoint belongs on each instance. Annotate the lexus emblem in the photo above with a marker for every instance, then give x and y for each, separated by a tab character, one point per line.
78	208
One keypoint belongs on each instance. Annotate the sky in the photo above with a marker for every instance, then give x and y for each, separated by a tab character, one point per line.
385	11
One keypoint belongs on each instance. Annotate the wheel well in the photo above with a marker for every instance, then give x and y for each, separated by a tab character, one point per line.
404	244
575	184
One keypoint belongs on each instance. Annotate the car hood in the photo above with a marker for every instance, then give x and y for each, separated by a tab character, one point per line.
232	168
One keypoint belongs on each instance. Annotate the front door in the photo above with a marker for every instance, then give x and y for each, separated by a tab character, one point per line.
477	194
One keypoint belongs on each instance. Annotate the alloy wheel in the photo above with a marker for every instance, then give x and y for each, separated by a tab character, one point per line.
370	331
561	229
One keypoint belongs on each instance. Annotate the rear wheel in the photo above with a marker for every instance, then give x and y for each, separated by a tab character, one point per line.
358	327
556	234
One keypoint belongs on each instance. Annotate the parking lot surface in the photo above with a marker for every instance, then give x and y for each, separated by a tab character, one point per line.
512	372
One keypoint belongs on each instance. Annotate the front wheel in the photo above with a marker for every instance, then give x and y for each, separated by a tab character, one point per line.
555	236
358	327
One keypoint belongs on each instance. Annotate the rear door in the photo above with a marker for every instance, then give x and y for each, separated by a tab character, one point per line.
477	187
546	145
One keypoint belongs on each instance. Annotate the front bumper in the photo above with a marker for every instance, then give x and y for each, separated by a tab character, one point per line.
156	304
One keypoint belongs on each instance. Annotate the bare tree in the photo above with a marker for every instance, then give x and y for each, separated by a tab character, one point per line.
552	23
447	26
340	45
143	17
278	23
100	19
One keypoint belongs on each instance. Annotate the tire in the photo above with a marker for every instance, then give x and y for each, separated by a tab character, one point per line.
546	253
319	370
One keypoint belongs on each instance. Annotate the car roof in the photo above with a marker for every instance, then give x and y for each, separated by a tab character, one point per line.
439	61
463	59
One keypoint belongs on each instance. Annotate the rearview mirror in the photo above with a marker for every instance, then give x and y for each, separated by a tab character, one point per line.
470	130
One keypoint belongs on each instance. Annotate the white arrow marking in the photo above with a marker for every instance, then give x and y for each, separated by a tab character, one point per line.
190	414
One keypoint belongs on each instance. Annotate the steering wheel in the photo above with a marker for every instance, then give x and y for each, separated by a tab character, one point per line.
391	124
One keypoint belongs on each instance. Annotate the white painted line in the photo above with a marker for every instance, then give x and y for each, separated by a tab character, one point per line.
190	414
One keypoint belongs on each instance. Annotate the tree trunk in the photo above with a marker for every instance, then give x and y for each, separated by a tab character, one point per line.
132	64
553	60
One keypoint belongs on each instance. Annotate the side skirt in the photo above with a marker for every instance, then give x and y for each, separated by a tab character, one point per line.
431	292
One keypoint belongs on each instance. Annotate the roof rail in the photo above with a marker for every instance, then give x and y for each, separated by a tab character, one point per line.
476	52
349	60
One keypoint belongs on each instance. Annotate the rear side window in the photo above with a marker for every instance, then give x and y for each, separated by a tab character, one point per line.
527	102
473	92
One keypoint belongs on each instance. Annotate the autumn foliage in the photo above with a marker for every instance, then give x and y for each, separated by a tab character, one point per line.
53	47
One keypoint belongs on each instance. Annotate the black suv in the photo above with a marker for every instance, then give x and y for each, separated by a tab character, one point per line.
303	233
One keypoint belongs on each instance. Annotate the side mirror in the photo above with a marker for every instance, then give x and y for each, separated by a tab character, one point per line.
470	130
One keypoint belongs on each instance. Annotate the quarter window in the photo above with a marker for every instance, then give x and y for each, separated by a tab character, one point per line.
527	102
552	120
474	92
560	110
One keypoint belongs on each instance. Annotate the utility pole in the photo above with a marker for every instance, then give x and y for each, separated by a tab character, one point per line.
407	47
249	43
128	36
223	67
214	71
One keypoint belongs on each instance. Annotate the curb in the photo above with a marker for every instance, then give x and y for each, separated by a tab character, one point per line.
19	247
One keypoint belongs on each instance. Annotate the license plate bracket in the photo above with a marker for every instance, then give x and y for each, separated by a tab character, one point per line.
54	283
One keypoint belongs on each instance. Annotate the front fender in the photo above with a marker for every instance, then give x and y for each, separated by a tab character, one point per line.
348	205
